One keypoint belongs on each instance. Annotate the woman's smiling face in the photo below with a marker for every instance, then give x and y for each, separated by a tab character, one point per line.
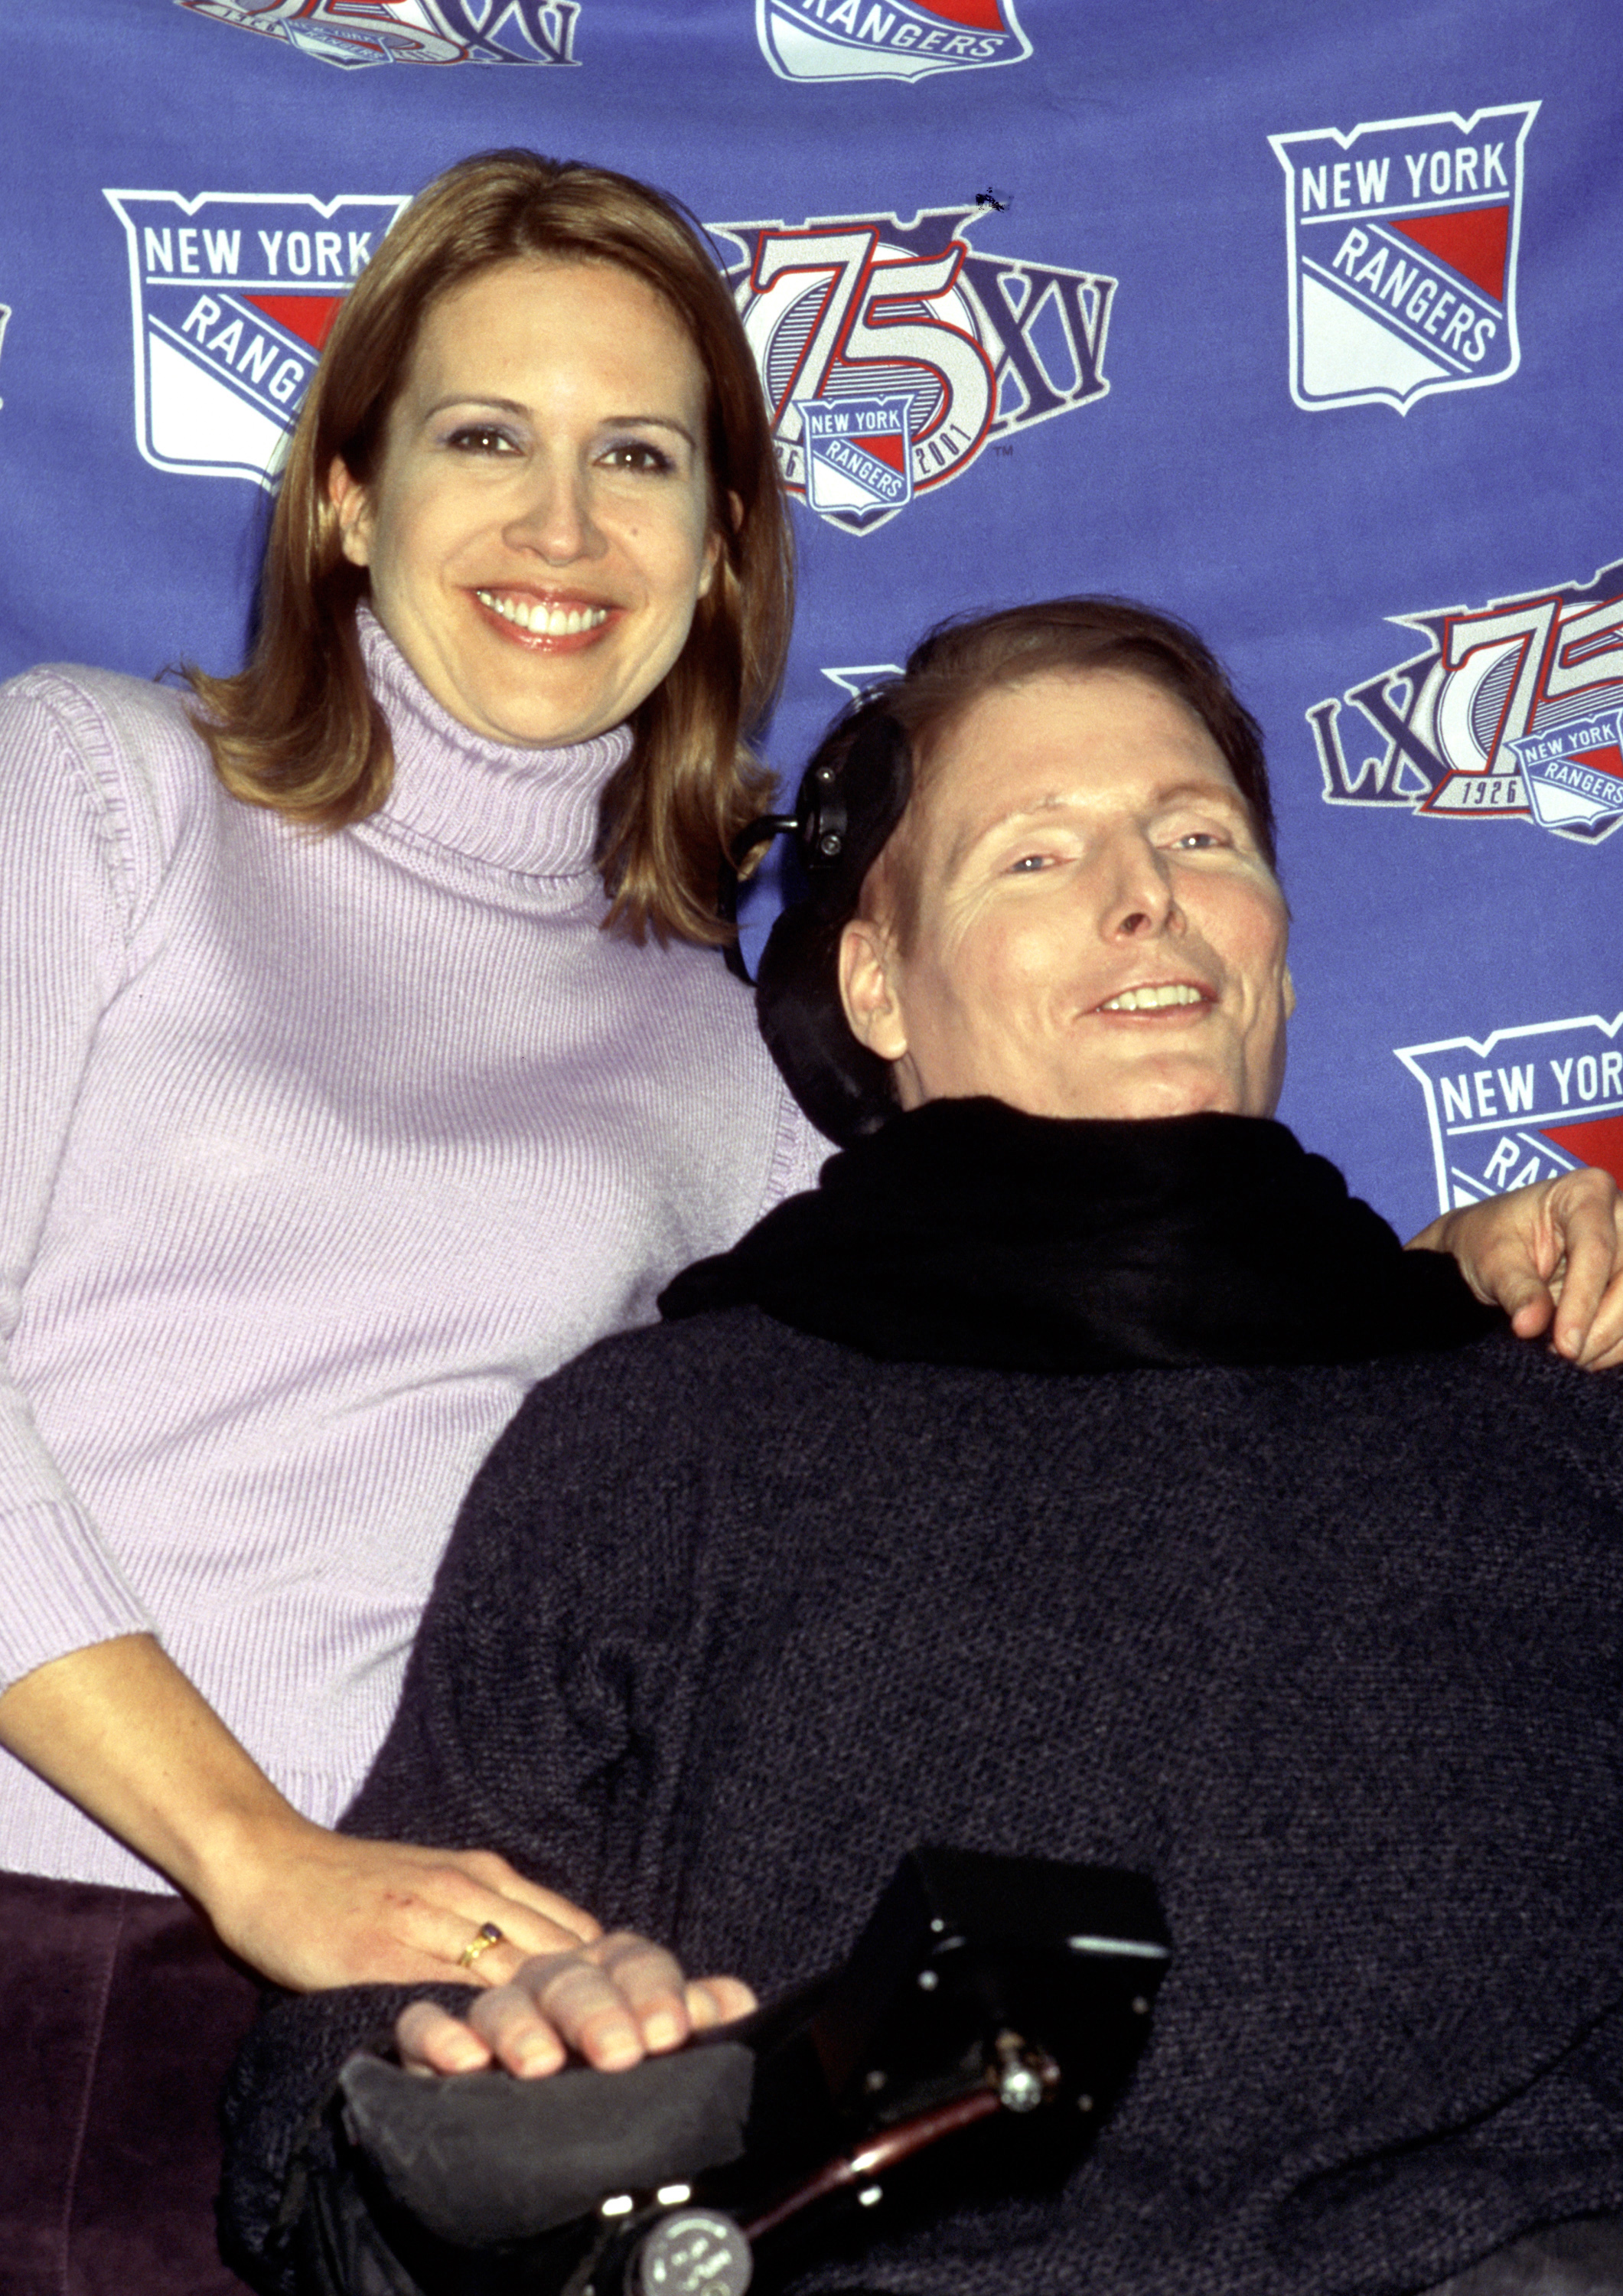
1091	929
540	528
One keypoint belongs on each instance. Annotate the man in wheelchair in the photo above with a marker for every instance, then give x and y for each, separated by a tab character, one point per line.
1078	1475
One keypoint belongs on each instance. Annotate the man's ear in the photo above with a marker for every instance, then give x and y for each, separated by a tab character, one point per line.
350	498
868	989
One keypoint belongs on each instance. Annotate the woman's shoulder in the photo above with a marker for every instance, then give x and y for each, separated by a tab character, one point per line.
103	714
94	752
695	979
119	730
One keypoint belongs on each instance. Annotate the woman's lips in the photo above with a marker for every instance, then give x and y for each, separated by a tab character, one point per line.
545	625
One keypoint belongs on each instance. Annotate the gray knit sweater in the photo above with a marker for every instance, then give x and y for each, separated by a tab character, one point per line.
736	1613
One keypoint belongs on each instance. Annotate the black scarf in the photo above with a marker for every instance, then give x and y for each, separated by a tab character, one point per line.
966	1232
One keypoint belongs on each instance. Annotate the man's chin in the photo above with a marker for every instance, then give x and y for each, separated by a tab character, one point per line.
1178	1089
1167	1085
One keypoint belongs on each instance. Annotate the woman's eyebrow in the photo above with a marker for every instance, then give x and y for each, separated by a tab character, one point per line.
493	405
475	398
648	421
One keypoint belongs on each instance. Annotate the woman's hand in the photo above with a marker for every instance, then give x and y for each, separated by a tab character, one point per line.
1551	1250
311	1908
121	1730
613	2002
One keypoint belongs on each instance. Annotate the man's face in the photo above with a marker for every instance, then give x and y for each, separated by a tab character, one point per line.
1095	932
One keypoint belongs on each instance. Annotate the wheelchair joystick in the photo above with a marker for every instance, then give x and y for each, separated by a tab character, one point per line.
986	2022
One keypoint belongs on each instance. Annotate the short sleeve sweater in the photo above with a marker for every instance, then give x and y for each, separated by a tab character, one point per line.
319	1152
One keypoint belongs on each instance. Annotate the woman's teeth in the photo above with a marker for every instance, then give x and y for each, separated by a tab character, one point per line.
1151	1000
545	622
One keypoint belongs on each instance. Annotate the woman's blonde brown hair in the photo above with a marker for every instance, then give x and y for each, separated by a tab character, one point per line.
298	729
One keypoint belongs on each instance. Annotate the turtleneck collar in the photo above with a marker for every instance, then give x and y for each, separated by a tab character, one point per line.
531	811
966	1232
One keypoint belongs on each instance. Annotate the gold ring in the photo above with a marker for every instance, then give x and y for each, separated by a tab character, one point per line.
484	1937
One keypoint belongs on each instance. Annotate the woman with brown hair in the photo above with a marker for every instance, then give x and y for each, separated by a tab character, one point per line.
338	1120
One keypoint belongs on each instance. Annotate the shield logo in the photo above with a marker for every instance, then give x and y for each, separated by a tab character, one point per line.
1521	1104
887	40
1574	775
857	452
1403	239
231	297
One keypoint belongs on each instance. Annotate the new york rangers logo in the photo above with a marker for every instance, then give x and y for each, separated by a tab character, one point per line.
1521	1104
1403	239
857	457
886	39
1512	711
1574	774
233	294
355	33
893	353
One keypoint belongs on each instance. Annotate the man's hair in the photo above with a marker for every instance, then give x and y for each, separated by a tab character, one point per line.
298	729
965	658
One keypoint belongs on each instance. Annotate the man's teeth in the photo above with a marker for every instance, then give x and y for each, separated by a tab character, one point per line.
1151	1000
545	622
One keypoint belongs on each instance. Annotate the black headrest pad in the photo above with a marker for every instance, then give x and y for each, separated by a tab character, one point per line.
851	797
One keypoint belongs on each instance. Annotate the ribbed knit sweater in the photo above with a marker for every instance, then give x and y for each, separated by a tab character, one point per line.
318	1151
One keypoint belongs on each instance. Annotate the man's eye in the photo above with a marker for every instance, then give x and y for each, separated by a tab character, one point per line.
1199	839
1028	864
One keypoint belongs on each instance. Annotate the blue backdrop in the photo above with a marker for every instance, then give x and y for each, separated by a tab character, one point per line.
1300	319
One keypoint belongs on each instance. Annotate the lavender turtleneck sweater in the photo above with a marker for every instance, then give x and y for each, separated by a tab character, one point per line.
317	1152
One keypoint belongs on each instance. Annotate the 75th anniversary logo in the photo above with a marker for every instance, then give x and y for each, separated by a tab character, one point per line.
355	33
893	353
1510	711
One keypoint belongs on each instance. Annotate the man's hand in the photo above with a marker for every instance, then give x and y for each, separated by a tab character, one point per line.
1551	1250
613	2002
